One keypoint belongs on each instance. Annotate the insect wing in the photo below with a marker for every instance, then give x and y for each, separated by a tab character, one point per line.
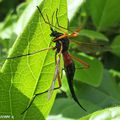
56	73
91	47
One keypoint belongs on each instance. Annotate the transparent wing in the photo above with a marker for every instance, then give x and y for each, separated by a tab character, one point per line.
56	74
89	47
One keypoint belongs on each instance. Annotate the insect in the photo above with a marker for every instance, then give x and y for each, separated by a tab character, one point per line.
61	49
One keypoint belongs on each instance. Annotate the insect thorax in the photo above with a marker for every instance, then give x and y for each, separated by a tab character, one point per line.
65	45
64	41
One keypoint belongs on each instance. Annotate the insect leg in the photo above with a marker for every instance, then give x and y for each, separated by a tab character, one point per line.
29	54
33	98
86	65
62	72
49	90
56	74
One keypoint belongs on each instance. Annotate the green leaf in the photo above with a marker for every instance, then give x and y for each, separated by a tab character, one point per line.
106	114
112	88
106	95
116	46
93	35
91	98
115	73
68	109
21	8
23	77
7	27
93	75
105	13
25	16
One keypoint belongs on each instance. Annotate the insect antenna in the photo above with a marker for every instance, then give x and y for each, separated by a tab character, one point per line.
52	18
47	22
58	21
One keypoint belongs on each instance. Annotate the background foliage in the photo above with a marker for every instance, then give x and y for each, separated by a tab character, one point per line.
97	88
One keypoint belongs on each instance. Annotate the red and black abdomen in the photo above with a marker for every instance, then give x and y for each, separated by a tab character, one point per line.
70	71
69	66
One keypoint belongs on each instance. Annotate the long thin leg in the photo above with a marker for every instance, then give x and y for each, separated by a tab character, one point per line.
29	54
56	74
36	96
54	79
86	65
62	72
59	82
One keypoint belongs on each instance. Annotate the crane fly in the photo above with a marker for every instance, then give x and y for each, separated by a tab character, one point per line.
62	42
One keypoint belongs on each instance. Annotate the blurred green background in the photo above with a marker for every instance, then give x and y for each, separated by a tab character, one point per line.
99	86
10	12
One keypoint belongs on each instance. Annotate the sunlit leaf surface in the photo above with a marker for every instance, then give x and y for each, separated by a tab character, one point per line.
23	77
